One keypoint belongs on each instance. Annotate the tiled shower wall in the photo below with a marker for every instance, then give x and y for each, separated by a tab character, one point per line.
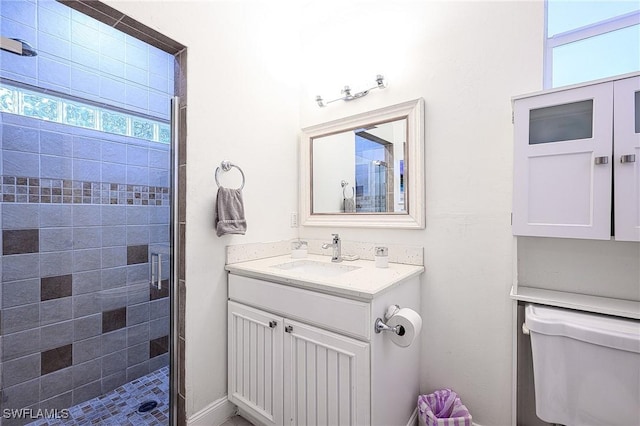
80	56
116	69
82	211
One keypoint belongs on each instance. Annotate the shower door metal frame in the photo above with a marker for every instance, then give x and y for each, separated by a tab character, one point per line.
174	357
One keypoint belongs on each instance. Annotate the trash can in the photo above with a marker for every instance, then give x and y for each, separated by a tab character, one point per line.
442	408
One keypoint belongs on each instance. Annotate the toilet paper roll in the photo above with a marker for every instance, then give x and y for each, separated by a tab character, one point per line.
411	324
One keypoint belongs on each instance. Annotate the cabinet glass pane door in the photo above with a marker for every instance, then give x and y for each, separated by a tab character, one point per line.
626	159
562	163
637	109
564	122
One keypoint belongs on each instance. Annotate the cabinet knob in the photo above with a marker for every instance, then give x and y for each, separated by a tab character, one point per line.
631	158
602	160
288	329
272	324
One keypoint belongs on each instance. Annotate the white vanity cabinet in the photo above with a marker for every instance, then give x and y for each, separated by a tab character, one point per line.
284	369
253	380
570	146
303	357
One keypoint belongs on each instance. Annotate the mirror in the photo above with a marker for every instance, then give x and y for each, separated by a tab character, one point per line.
365	170
360	170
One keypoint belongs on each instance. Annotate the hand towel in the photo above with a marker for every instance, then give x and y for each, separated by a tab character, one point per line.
349	205
229	212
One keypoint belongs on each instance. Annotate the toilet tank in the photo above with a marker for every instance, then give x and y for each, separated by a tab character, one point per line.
586	367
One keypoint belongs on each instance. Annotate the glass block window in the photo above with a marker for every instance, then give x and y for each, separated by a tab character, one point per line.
78	115
45	106
112	122
589	40
142	129
37	106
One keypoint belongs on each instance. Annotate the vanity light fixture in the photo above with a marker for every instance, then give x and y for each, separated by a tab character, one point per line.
348	96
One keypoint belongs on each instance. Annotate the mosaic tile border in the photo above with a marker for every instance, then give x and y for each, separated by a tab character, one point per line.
21	189
31	103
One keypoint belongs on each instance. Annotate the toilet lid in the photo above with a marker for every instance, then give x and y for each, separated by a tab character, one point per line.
613	332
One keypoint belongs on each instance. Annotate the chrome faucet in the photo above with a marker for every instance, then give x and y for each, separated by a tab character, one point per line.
337	251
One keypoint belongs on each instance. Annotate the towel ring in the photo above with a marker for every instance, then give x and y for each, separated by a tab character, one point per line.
226	166
344	184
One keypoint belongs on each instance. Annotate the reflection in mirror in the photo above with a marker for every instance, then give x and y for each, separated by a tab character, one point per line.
365	170
360	170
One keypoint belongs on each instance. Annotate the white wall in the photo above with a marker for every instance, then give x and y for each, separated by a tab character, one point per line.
466	59
335	157
597	268
242	106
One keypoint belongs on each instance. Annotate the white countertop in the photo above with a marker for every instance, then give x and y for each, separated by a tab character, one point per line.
366	282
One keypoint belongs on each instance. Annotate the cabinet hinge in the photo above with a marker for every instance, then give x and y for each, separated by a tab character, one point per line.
512	117
512	218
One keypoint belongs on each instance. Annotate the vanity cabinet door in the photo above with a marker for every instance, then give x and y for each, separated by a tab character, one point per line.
255	362
627	159
326	378
562	163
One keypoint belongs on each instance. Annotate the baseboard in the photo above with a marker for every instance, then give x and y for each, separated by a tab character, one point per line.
221	410
213	414
413	420
247	415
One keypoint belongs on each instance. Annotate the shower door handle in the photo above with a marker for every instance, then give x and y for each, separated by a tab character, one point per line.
156	270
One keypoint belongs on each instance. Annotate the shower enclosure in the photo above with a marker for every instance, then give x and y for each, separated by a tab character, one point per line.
374	177
86	169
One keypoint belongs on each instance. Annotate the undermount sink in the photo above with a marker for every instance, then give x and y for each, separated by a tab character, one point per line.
312	267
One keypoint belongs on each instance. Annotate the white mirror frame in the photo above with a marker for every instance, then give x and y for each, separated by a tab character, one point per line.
413	111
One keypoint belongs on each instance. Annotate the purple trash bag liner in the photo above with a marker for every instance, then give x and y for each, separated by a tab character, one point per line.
443	408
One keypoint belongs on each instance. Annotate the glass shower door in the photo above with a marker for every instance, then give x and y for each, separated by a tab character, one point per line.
86	191
379	185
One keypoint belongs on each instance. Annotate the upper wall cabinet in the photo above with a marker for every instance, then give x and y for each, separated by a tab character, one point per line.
626	154
570	145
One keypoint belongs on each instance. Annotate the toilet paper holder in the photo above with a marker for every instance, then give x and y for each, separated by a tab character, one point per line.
380	326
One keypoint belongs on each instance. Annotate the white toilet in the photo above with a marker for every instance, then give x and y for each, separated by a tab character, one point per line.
586	367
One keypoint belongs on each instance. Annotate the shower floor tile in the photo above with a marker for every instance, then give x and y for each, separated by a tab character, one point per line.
120	406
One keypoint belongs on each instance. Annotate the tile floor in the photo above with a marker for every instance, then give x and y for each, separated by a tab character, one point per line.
236	421
119	407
